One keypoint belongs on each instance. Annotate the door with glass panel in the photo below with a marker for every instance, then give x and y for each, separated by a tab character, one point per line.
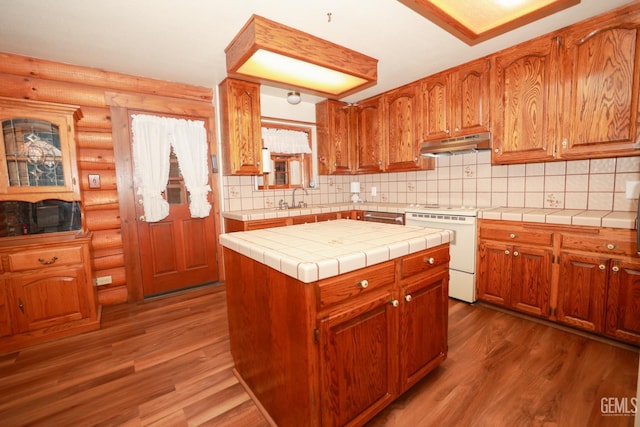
178	251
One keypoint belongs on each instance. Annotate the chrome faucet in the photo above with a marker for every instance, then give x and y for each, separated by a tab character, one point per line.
293	195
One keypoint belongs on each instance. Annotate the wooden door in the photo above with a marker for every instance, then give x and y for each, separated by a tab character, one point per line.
581	291
177	252
531	280
470	105
48	299
423	326
524	100
601	103
402	133
367	116
623	301
354	383
494	273
435	94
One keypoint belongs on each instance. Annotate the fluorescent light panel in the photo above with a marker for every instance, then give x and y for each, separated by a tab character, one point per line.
272	53
479	20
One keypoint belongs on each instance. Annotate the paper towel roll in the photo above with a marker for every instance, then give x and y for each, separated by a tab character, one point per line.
266	160
355	187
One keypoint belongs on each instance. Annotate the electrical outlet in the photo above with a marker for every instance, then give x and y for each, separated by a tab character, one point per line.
103	280
632	190
374	191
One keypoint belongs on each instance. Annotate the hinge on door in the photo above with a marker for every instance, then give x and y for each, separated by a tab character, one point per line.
316	335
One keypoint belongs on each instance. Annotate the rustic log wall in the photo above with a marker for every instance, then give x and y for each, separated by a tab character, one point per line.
28	78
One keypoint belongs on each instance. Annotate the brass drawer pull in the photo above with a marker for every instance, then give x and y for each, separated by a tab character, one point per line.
51	261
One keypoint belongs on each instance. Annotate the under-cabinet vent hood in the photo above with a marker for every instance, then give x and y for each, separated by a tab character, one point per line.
458	145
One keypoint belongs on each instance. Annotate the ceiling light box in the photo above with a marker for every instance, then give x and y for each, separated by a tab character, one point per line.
268	52
479	20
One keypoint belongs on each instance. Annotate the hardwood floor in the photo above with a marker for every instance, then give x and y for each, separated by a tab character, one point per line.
166	362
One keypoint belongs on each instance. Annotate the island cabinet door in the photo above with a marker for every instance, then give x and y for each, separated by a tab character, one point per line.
423	326
358	376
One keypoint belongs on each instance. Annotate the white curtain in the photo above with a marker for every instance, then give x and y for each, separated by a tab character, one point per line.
285	141
189	141
151	150
153	138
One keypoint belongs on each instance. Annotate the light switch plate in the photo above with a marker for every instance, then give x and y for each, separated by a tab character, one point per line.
374	191
633	189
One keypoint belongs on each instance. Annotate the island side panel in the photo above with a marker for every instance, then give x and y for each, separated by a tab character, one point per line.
271	330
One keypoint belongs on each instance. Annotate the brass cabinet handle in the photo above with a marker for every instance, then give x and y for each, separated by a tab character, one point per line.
364	283
49	262
20	305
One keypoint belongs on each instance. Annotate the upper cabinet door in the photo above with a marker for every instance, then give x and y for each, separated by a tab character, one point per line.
524	102
333	122
402	133
367	116
38	151
470	105
601	80
435	93
241	130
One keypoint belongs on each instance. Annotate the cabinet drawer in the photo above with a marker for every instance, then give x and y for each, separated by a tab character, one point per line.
423	261
517	235
613	246
40	258
343	287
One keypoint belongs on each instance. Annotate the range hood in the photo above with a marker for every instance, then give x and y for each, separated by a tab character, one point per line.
458	145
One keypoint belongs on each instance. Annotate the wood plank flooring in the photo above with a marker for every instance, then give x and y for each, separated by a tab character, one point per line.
166	362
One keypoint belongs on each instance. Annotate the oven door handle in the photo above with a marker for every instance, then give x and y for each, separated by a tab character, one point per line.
385	218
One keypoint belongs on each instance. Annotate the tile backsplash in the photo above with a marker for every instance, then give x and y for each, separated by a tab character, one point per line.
466	180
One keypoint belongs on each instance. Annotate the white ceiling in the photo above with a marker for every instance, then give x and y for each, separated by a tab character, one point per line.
184	40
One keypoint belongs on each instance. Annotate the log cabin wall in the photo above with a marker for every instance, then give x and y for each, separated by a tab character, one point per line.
29	78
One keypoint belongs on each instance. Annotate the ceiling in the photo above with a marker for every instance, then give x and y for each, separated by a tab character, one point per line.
184	41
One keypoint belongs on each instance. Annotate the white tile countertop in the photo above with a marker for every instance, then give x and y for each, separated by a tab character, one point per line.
253	214
314	251
594	218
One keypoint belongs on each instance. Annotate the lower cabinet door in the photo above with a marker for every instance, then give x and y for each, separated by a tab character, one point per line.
531	280
357	347
47	299
623	302
581	291
423	326
494	273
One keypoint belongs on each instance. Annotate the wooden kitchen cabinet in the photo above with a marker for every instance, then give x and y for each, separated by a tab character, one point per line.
47	289
335	140
38	151
601	77
456	102
340	349
401	118
241	127
623	301
368	125
514	267
525	98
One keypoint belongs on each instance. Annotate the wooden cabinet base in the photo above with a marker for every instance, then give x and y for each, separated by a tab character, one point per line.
16	342
320	354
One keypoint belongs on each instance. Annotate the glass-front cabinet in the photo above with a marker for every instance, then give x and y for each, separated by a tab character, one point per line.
37	148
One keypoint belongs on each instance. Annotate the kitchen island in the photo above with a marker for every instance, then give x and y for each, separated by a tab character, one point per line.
329	322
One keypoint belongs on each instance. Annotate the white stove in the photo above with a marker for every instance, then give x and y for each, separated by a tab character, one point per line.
462	221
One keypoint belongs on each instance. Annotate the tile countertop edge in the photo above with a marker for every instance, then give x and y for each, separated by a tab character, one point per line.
329	265
256	214
593	218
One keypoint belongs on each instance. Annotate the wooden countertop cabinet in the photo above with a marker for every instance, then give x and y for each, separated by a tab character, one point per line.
584	277
340	349
46	289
